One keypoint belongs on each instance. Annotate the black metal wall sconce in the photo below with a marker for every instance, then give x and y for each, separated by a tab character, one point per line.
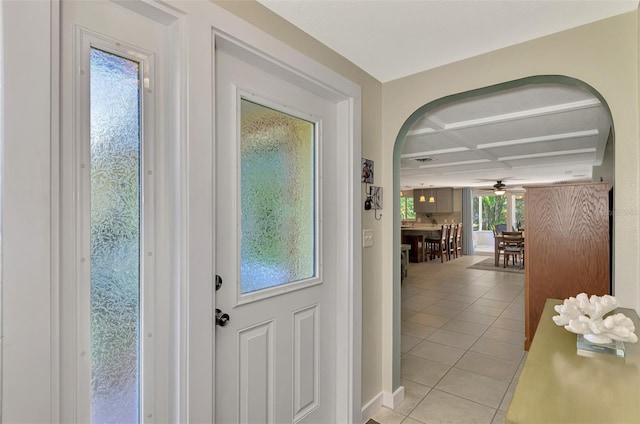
374	194
374	200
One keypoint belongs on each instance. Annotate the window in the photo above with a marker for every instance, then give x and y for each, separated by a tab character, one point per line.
519	223
278	198
489	211
115	211
406	208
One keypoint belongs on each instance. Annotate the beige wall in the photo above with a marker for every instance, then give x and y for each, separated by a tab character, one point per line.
605	172
602	54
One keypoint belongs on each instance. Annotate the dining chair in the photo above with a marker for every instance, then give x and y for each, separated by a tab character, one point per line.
513	248
499	244
458	240
438	246
451	241
508	235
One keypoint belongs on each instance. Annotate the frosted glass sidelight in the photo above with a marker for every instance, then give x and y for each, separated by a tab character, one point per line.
115	238
277	198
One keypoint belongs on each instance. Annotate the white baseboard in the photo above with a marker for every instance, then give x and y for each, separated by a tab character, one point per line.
389	400
371	407
392	400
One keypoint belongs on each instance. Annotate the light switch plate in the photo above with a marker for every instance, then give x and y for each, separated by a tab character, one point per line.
367	238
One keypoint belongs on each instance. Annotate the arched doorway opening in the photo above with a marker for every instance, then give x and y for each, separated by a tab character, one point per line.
457	169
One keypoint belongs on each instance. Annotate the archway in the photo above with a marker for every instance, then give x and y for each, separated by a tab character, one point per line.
398	150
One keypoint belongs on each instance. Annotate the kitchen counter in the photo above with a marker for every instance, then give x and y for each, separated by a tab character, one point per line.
416	236
421	227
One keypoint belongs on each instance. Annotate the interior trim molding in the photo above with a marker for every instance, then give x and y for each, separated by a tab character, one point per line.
386	399
372	406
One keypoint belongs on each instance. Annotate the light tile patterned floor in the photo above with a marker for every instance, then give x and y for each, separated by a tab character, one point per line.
462	343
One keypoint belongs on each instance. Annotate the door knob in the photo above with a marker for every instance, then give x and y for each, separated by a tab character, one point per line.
221	318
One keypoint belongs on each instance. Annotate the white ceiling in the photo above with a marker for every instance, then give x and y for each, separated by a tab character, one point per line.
533	134
391	39
540	133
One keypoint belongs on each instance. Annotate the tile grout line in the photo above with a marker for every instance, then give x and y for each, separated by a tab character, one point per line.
461	292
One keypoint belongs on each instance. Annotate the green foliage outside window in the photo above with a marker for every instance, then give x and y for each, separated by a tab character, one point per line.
494	212
406	208
476	220
519	212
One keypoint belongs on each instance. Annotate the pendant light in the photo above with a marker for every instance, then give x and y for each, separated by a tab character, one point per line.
422	198
431	198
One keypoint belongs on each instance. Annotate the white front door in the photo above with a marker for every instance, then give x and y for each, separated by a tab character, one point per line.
275	248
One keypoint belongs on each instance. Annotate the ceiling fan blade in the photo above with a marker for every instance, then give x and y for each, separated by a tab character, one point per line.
496	179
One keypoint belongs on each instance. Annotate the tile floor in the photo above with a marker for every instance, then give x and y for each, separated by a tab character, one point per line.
462	343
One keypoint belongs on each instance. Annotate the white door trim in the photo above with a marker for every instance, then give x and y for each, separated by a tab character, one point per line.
203	20
168	392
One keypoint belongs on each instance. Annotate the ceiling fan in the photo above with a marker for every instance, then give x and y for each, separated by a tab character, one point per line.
499	188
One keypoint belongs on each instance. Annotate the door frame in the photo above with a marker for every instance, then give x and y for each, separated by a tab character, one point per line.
164	351
282	61
194	30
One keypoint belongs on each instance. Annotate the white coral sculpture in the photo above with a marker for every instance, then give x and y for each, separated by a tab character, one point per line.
584	315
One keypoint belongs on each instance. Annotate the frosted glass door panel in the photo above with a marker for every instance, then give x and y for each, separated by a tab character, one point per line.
115	238
278	195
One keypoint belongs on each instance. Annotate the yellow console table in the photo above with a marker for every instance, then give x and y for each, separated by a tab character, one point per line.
558	386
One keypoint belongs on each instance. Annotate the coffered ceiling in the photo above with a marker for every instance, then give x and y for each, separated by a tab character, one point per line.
532	134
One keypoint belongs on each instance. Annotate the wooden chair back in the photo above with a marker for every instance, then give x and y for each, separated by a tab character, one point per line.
458	240
444	233
451	241
438	247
